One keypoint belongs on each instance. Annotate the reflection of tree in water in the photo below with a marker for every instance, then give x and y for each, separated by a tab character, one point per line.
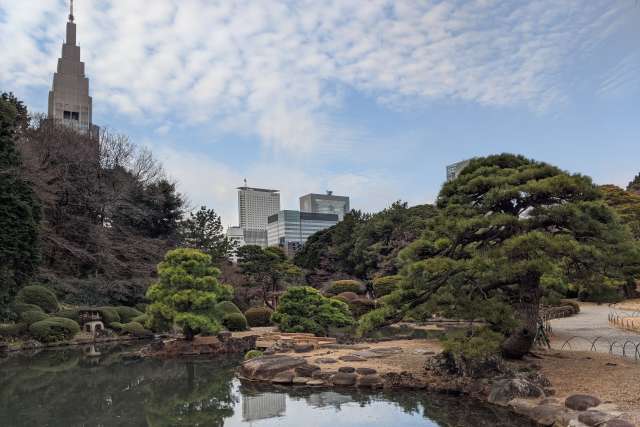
63	388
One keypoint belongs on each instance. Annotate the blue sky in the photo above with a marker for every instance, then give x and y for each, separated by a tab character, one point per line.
368	99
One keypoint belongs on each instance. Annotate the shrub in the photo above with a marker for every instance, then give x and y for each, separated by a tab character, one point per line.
142	307
12	329
235	322
40	296
227	307
341	286
252	354
20	308
575	305
54	329
135	329
109	315
69	313
304	309
361	306
385	285
142	319
33	316
127	313
347	296
116	326
373	320
258	316
472	345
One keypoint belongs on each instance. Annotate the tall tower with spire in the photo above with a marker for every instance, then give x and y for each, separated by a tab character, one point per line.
69	100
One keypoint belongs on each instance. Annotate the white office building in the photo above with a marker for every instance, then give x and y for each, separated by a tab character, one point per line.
291	229
255	205
325	203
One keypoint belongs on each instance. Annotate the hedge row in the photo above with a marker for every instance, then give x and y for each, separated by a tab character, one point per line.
54	329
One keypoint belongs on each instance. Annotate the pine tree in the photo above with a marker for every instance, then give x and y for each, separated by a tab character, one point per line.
634	185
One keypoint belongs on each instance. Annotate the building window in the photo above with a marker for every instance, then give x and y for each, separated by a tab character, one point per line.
71	115
67	115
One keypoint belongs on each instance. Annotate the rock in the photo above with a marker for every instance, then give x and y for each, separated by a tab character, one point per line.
368	354
503	391
387	350
522	406
547	415
581	402
315	383
343	379
267	367
352	358
307	370
300	380
326	360
347	369
369	381
366	371
303	348
269	352
321	375
224	336
283	378
618	423
593	418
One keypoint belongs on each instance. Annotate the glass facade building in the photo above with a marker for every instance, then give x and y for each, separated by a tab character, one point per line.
291	229
325	203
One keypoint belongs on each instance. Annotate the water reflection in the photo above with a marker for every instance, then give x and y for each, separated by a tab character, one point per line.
98	387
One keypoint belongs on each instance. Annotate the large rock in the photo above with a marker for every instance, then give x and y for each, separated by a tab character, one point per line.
343	379
265	368
548	415
283	378
581	402
366	371
326	360
303	348
352	358
347	369
300	380
369	381
593	418
503	391
307	370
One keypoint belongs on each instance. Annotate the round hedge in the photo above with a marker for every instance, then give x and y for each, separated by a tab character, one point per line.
20	308
252	354
227	307
109	315
40	296
127	313
258	316
54	329
235	322
361	306
32	316
116	326
347	296
12	329
135	329
142	319
385	285
341	286
69	313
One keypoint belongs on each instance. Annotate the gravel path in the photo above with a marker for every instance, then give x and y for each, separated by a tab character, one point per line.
590	323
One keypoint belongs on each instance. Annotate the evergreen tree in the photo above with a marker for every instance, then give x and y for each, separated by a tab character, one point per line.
203	231
19	209
634	185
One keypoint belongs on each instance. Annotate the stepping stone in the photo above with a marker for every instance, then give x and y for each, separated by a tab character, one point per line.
300	380
347	369
368	354
303	348
581	402
618	423
366	371
593	418
283	378
326	360
352	358
387	350
307	370
344	379
370	381
315	383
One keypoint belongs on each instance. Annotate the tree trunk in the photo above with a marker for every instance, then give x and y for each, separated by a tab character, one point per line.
519	343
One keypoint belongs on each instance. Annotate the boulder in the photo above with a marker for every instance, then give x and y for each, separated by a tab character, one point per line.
343	379
581	402
352	358
347	369
283	378
593	418
307	370
326	360
366	371
300	380
369	381
548	415
303	348
315	382
503	391
266	368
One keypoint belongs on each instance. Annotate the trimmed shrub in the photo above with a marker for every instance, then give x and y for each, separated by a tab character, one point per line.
33	316
258	316
127	313
227	307
340	286
235	322
135	329
373	320
109	315
40	296
69	313
385	285
347	296
12	329
116	326
142	319
20	308
142	306
361	306
304	309
575	305
54	329
252	354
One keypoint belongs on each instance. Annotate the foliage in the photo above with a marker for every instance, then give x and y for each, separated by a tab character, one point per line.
252	354
40	296
385	285
506	228
187	293
20	308
226	307
109	315
142	319
361	306
626	204
374	320
258	316
116	326
235	322
340	286
12	329
54	329
69	313
304	309
19	207
135	329
29	317
97	291
347	296
127	314
267	269
471	348
203	231
634	186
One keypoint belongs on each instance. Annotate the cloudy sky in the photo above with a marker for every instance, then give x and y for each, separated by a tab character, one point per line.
370	99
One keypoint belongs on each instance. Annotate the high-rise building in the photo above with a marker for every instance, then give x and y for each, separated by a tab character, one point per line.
291	229
325	203
69	100
255	205
454	170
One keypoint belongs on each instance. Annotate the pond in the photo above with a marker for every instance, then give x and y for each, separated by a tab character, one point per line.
79	387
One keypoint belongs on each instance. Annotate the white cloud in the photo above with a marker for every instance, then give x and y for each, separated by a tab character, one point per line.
276	63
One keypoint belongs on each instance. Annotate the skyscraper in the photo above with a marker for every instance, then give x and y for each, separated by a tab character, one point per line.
291	229
69	100
255	205
325	204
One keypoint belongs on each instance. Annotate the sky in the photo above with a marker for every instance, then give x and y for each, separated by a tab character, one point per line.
370	99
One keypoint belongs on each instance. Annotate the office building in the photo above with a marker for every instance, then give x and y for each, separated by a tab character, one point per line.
255	205
69	100
325	204
291	229
453	171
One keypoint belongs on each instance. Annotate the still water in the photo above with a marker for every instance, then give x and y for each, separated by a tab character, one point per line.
77	387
